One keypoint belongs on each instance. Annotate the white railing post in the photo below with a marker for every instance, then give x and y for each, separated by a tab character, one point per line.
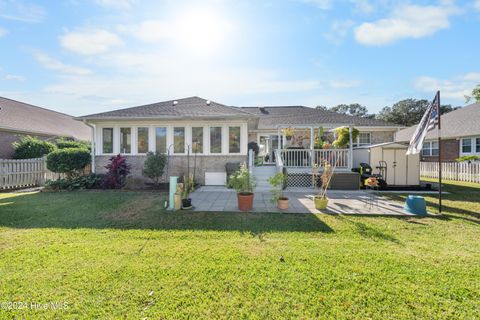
250	160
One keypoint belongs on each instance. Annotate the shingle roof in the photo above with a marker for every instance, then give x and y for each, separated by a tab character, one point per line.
462	122
271	117
29	119
193	107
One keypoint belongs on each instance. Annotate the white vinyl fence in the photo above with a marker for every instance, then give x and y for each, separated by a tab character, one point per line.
458	171
24	173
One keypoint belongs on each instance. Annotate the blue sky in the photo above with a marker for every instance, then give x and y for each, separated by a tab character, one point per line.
86	56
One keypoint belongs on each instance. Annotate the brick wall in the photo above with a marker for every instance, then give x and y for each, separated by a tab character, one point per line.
177	167
450	151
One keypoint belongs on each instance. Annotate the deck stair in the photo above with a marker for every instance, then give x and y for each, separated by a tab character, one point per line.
261	174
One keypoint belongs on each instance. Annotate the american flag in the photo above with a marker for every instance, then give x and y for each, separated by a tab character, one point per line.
429	122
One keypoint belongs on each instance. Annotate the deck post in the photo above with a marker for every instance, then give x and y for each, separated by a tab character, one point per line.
350	148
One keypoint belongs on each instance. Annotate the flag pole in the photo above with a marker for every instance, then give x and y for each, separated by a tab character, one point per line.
439	156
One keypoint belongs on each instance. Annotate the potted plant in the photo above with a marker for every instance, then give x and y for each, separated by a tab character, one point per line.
244	183
321	200
278	183
187	188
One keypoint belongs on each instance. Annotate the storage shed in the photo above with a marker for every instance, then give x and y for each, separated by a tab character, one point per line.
401	170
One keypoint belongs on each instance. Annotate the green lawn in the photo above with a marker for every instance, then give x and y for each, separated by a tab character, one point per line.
120	255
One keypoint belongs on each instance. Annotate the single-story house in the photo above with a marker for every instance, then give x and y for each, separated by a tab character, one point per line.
19	119
460	135
216	133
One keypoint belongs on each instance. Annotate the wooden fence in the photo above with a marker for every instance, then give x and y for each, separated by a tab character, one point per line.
24	173
458	171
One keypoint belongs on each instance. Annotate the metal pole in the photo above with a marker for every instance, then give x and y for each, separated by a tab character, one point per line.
439	156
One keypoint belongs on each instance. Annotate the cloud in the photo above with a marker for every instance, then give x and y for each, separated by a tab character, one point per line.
456	88
3	32
344	84
339	29
90	41
21	11
14	77
476	5
407	21
52	64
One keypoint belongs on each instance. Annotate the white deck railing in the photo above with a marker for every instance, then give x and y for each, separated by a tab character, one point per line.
304	158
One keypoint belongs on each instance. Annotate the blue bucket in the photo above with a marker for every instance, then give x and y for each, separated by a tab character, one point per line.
415	205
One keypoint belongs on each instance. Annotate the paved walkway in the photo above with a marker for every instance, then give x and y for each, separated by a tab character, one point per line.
300	201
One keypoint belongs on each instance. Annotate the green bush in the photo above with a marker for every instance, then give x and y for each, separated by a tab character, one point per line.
90	181
154	166
70	161
68	144
467	158
30	147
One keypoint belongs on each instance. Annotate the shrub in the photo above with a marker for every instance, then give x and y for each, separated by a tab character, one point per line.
89	181
70	161
118	170
154	166
68	144
242	181
467	158
30	147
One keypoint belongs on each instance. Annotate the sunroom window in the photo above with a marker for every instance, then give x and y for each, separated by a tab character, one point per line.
234	139
178	140
107	140
161	139
197	139
125	140
142	140
216	140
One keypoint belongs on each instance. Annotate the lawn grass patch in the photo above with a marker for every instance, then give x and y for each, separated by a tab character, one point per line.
113	254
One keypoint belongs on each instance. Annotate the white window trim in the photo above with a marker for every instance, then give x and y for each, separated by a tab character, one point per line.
136	140
203	139
357	141
430	149
185	140
169	127
473	141
228	139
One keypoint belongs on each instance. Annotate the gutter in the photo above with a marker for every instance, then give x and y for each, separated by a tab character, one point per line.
93	144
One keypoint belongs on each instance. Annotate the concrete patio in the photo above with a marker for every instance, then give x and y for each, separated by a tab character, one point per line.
300	201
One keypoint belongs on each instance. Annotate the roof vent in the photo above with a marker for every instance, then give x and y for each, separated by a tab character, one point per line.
175	102
263	110
208	102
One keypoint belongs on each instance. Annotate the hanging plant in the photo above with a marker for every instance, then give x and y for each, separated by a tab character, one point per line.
288	132
343	137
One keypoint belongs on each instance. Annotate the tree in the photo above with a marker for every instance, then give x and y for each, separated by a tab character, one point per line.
475	95
353	109
408	112
154	166
30	147
321	108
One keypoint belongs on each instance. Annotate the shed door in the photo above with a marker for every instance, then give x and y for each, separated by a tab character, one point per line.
396	166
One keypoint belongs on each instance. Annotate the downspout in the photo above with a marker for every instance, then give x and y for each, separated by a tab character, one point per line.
93	144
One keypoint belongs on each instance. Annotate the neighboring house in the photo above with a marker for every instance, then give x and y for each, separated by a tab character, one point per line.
219	133
460	135
19	119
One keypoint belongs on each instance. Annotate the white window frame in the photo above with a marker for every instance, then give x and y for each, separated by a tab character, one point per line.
203	139
132	139
152	125
357	141
473	146
154	134
228	139
136	139
185	139
428	146
101	140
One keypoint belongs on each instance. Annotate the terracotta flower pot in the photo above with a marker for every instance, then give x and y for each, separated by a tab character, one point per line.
282	203
320	203
245	201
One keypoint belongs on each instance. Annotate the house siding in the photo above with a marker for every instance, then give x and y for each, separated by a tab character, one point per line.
177	166
450	151
381	136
